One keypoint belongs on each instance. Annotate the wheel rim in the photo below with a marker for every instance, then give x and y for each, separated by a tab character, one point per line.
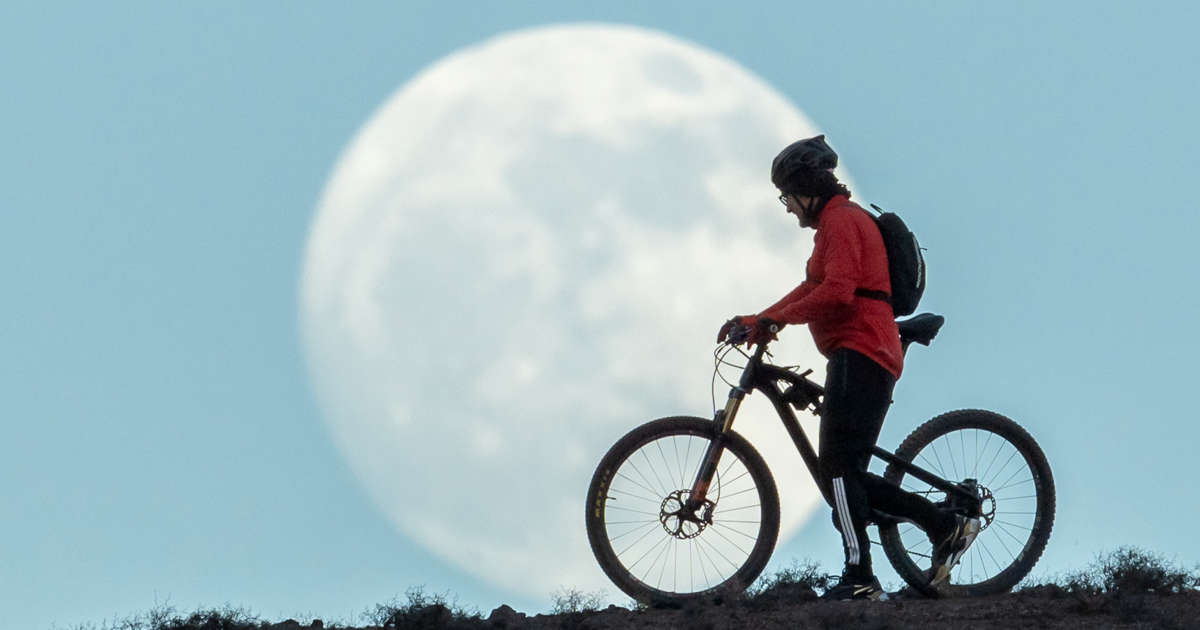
672	552
1008	486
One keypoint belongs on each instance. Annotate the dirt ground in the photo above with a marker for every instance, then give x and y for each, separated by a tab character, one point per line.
1045	607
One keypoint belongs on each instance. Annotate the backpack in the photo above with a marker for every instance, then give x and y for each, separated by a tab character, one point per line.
906	265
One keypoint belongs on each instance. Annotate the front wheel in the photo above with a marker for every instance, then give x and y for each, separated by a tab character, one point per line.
646	542
1009	473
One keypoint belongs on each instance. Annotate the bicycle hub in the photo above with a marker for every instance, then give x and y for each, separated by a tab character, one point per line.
679	518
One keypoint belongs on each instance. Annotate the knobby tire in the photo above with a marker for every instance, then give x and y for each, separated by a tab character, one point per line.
1042	482
599	519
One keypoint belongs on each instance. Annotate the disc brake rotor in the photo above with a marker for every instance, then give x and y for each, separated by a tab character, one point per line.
678	521
987	506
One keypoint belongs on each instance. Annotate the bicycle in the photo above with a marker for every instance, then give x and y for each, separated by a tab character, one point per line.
669	521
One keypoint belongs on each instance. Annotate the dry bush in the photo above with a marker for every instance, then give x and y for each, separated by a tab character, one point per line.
1126	570
422	611
572	600
802	573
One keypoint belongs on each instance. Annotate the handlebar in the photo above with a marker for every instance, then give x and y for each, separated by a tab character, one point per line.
741	333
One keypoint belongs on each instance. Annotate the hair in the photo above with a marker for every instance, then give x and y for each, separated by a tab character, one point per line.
819	183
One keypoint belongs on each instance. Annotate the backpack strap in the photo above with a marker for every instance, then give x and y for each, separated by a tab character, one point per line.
874	295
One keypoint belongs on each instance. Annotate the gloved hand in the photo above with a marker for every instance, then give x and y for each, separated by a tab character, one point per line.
728	327
738	329
761	333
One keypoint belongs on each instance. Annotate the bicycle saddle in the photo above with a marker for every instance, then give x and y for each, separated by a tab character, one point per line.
921	329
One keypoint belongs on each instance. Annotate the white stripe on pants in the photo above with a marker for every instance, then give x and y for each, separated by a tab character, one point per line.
843	512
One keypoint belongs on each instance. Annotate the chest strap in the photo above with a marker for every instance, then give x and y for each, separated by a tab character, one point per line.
874	295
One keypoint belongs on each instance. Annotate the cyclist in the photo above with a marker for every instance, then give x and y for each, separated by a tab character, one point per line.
844	301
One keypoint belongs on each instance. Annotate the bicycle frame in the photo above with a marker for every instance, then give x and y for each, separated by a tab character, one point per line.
765	377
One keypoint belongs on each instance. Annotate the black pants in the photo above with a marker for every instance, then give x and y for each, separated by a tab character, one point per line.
858	392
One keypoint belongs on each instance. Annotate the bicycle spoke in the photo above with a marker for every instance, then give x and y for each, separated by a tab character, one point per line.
678	464
744	507
645	479
687	458
654	502
945	440
657	555
691	568
666	554
652	526
1017	483
927	556
736	531
726	539
1000	539
703	569
735	479
666	465
991	556
750	489
962	449
936	468
625	509
975	462
663	488
938	457
640	558
1003	468
714	548
1005	483
728	468
1004	525
718	572
645	529
644	486
999	450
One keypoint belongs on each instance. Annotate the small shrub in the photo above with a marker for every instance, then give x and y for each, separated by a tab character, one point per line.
572	600
211	619
422	611
1133	570
166	617
1126	570
805	574
1082	582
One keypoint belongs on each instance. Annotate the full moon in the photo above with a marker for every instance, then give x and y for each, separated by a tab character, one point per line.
525	253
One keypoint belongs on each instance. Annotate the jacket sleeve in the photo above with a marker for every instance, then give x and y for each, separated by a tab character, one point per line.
835	294
773	312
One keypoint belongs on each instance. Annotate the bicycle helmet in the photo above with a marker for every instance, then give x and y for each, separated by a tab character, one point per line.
809	154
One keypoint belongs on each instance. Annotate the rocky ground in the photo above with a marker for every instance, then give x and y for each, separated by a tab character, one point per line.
1127	588
799	609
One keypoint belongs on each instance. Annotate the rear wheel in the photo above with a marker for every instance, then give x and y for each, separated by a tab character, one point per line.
1016	489
646	542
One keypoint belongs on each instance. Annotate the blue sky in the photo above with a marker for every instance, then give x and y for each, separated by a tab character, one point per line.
161	438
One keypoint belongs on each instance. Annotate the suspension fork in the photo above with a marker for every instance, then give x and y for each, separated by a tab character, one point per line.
722	424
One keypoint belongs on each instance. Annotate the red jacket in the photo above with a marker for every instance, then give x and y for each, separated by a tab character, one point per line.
848	254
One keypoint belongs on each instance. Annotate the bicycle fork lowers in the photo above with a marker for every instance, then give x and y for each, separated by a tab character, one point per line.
697	498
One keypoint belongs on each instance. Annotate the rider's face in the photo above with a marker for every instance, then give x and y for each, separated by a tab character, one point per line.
797	205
